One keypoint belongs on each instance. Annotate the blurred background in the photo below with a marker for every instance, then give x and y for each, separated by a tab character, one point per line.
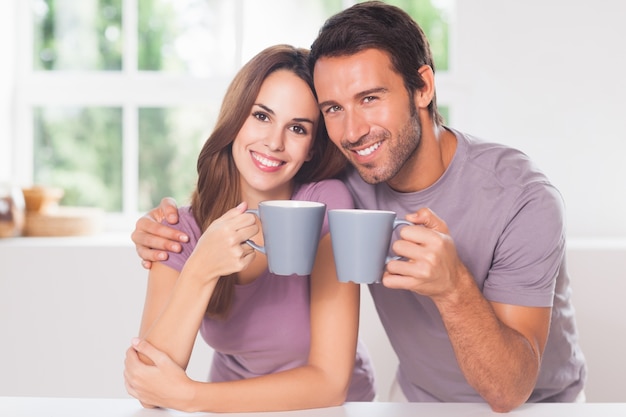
111	99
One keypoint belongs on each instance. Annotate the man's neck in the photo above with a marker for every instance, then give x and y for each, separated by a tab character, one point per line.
428	163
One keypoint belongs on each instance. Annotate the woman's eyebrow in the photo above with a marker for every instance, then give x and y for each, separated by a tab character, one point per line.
264	107
295	119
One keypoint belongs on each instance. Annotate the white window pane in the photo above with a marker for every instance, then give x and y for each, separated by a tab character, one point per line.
77	35
195	37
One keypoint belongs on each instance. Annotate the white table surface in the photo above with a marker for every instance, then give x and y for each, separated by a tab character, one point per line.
122	407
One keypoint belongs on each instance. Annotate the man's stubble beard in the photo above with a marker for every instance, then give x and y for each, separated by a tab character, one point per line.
406	145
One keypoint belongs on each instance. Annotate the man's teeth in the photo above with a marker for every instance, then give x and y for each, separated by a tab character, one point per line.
367	151
266	161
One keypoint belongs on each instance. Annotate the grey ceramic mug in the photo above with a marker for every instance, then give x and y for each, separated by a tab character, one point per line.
360	240
291	234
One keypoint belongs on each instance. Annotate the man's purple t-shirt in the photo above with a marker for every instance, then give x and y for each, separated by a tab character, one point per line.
268	328
506	220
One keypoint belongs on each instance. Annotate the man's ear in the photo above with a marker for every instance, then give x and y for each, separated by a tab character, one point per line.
425	95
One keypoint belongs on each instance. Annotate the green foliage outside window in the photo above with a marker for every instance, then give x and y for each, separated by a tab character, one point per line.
80	149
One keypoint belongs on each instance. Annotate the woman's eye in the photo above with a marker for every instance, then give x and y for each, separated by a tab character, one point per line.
261	116
299	130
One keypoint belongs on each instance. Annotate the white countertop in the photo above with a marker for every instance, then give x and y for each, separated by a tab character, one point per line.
122	407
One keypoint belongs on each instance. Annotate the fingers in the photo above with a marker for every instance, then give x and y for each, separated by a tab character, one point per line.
161	232
153	240
131	381
430	261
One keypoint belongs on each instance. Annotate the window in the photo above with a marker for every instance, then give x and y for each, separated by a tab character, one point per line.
114	98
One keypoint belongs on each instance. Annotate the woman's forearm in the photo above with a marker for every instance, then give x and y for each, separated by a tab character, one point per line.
304	387
174	330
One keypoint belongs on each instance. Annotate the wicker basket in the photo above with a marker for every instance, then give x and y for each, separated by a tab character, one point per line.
64	221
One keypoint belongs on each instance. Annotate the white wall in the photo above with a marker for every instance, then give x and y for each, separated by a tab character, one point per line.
548	78
68	310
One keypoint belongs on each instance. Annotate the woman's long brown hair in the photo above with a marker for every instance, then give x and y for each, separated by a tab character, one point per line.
218	187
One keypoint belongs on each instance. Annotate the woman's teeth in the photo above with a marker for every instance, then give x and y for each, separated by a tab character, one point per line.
265	161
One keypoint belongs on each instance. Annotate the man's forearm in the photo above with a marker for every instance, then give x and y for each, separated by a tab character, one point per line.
497	361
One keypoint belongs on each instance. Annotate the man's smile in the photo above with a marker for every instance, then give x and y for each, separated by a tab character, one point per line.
369	150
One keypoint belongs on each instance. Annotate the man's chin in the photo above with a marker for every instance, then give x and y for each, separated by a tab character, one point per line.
370	176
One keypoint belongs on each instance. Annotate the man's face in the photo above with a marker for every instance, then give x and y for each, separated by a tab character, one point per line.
368	112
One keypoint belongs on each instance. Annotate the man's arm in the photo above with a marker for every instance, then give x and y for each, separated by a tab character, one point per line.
153	240
498	346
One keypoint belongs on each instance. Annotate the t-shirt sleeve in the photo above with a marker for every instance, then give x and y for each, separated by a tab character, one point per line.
530	250
186	224
332	192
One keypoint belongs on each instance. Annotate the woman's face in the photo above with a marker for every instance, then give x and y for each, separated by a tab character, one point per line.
276	138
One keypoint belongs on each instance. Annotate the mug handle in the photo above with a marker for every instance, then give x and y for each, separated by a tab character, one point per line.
396	223
249	241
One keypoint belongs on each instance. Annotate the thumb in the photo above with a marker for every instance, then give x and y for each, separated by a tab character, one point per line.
427	218
235	211
148	353
169	210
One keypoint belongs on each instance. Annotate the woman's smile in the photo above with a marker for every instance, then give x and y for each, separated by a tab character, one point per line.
265	162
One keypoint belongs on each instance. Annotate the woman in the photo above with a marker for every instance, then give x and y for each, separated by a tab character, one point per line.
280	342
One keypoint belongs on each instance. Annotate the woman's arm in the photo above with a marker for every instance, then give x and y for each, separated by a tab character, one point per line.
219	252
322	382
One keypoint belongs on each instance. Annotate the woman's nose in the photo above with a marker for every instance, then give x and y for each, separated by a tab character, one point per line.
275	142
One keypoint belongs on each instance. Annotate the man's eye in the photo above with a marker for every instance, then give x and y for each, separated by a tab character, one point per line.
369	99
333	109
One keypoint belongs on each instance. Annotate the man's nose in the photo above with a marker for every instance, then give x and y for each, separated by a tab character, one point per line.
355	127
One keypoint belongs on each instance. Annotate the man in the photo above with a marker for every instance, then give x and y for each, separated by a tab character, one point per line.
479	309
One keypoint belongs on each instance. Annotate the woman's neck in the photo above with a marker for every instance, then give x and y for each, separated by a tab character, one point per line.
254	197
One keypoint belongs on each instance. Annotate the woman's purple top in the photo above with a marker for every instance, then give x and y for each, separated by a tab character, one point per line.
268	327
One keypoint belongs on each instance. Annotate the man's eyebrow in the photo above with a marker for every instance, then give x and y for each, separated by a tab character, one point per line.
376	90
327	103
371	91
